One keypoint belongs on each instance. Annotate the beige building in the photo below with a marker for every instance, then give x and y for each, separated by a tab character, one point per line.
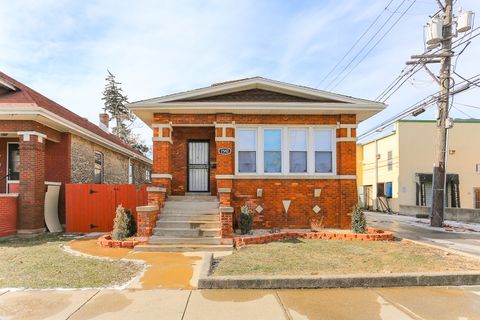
395	170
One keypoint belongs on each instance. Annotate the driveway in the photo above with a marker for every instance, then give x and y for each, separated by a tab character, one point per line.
360	304
419	230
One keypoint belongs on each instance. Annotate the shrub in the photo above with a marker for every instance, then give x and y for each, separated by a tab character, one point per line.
246	219
359	222
124	224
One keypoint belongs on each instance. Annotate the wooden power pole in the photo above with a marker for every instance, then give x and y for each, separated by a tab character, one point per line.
439	170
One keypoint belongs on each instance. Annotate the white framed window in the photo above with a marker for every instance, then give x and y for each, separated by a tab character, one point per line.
298	150
285	150
323	150
98	168
246	145
272	150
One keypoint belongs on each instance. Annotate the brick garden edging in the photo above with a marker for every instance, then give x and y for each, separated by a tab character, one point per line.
106	241
371	235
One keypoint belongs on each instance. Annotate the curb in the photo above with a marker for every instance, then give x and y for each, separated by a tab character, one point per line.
342	281
438	247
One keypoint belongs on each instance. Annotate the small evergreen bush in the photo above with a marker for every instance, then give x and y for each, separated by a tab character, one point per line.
246	219
359	222
124	224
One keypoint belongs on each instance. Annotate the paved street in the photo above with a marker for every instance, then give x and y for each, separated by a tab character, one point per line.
383	303
411	228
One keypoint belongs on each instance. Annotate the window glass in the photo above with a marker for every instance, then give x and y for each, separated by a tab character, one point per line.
246	139
272	139
246	145
13	161
298	150
98	168
323	151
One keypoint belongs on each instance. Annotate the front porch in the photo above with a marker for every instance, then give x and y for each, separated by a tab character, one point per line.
26	177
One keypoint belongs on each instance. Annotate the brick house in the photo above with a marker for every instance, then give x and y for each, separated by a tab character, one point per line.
285	150
42	143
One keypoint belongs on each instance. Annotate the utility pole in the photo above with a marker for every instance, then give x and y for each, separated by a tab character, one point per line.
439	168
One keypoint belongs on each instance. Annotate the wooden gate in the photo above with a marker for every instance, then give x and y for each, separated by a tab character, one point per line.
91	207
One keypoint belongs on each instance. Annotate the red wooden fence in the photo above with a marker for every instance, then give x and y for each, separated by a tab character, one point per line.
91	207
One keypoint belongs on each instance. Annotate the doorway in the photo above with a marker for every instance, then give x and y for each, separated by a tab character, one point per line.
198	166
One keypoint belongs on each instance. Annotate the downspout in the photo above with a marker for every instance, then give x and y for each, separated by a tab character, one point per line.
376	175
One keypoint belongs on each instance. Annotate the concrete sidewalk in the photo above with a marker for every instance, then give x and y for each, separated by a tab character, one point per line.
384	303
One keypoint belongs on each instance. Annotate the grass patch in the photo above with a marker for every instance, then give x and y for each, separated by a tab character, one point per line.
321	257
40	262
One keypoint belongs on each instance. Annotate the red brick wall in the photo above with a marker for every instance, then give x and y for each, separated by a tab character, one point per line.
57	167
180	138
8	216
337	196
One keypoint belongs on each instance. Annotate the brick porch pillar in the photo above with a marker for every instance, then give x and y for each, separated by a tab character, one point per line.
146	220
162	156
346	165
156	196
32	182
225	143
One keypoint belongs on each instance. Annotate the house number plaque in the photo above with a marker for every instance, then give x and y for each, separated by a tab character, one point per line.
224	151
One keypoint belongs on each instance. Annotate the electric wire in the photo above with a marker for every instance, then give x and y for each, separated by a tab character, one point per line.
355	44
375	45
365	45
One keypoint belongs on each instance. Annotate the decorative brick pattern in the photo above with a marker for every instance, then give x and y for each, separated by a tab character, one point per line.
227	223
336	200
146	220
371	235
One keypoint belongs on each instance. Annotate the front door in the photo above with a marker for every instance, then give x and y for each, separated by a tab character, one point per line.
198	166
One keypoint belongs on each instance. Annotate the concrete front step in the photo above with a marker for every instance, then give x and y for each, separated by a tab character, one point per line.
181	217
188	224
186	232
189	198
181	241
189	205
183	247
189	211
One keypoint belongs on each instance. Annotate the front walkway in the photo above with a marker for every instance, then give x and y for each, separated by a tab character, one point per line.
459	239
369	304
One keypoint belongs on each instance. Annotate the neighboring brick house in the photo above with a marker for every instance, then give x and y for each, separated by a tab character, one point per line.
41	141
288	151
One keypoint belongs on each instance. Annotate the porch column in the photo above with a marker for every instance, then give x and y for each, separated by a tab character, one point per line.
346	165
162	156
225	143
32	182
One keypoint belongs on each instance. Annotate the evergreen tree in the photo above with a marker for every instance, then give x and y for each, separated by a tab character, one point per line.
115	105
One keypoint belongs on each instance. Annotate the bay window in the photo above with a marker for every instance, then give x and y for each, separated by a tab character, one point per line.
323	151
272	154
297	139
285	150
247	154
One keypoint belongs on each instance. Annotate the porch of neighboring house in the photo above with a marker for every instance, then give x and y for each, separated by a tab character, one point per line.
33	168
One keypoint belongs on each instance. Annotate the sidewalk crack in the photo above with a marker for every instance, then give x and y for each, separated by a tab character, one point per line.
285	310
186	304
81	306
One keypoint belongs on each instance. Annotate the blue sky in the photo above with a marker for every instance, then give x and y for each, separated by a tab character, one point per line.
63	48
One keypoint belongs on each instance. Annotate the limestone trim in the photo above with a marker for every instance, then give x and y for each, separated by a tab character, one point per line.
287	177
224	190
224	176
163	139
348	139
161	176
147	208
225	139
26	135
156	189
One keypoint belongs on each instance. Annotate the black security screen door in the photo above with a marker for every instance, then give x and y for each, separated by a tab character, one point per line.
198	166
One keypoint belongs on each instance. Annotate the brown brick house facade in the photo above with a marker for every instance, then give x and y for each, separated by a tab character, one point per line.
43	143
286	151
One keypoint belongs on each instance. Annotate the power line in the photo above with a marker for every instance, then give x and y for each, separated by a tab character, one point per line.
403	73
355	44
366	45
424	103
469	116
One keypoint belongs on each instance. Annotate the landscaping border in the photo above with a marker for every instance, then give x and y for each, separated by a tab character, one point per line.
106	241
372	234
341	281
